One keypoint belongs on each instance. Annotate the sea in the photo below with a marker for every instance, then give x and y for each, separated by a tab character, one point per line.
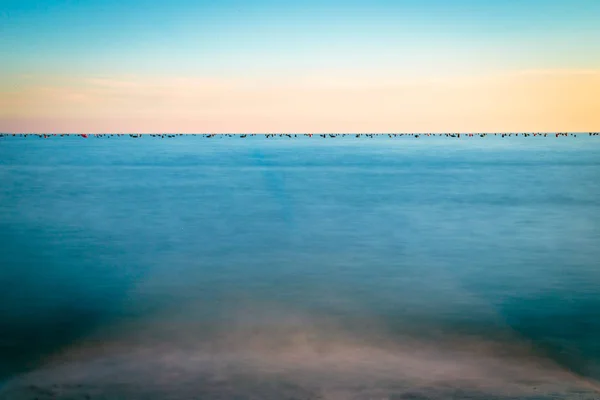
300	268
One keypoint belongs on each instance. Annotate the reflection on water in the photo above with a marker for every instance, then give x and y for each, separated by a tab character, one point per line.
300	269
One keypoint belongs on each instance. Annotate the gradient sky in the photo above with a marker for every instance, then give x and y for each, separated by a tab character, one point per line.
267	66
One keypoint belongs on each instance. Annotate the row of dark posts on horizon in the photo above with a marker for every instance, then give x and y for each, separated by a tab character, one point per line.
290	135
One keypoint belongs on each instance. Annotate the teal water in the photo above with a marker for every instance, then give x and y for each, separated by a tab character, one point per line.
336	268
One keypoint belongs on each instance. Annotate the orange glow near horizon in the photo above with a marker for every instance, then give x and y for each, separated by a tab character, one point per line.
530	101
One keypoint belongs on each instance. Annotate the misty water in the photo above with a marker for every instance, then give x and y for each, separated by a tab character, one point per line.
308	268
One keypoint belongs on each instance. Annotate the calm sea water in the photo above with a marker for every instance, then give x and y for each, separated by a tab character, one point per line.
307	268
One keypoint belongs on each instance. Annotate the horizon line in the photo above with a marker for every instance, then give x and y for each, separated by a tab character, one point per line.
528	133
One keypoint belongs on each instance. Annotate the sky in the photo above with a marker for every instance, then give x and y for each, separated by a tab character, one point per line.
309	66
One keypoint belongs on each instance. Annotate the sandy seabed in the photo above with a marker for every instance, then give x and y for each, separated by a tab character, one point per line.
298	362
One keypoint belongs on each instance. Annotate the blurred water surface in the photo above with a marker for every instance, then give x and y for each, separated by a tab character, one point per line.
335	268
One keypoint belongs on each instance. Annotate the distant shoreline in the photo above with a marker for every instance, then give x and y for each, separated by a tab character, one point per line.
316	135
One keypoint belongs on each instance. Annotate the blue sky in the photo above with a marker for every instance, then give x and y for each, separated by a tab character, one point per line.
196	37
197	66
